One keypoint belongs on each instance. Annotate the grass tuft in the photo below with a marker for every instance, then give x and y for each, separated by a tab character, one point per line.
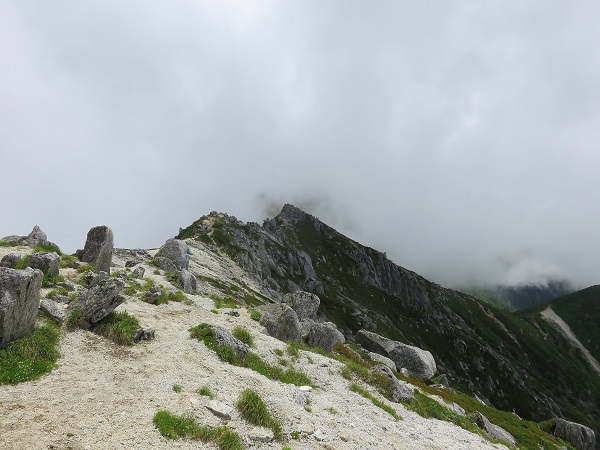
47	248
223	302
241	334
255	315
254	411
356	388
119	327
172	426
206	392
31	356
177	388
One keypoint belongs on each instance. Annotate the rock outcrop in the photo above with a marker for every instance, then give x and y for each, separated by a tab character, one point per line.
400	391
96	303
325	336
224	337
579	436
280	321
19	302
10	259
46	262
419	363
305	304
98	248
173	255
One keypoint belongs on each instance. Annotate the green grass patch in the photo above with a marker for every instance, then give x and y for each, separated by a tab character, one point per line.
66	261
21	263
356	388
119	327
31	356
167	296
252	361
85	268
254	411
223	302
47	248
52	280
56	292
72	321
241	334
3	243
177	388
206	392
172	426
255	315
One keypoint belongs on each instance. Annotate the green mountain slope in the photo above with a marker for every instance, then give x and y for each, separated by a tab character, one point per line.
517	364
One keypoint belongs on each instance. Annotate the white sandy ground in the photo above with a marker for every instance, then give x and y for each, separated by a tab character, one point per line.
554	318
104	396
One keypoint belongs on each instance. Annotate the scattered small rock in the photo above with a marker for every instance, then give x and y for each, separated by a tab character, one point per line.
258	434
51	308
220	409
138	272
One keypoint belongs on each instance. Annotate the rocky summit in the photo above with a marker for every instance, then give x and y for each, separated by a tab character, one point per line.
282	335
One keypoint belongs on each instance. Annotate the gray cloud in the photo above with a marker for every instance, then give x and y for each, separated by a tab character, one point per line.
460	138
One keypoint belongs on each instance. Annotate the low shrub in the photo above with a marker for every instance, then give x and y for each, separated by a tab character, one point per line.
206	392
254	411
172	426
241	334
119	326
31	356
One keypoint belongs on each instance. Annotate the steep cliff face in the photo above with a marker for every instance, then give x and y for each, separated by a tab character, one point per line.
504	359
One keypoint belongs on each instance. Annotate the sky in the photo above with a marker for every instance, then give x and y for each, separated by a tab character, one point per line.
461	137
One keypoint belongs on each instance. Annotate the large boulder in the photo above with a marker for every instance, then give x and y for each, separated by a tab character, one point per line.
96	303
492	430
579	436
305	304
280	321
176	252
19	302
45	261
419	363
10	259
325	336
38	237
98	248
374	342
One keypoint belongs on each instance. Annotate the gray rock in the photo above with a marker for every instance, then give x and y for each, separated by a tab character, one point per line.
220	409
298	397
144	335
36	237
46	262
258	434
51	308
91	278
305	304
305	327
374	342
224	337
96	303
187	281
176	251
138	272
132	256
493	431
399	391
455	408
419	363
383	360
579	436
325	336
19	302
152	294
166	264
280	321
443	380
98	248
14	240
10	259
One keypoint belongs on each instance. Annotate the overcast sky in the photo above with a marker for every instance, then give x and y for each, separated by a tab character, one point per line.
460	137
